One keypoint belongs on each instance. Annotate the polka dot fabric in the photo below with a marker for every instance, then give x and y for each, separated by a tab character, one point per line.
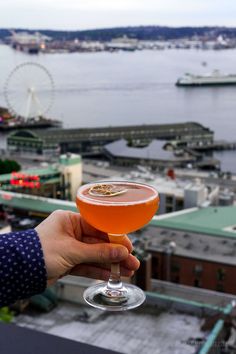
22	266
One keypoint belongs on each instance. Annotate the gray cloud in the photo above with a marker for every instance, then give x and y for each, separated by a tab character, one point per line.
80	14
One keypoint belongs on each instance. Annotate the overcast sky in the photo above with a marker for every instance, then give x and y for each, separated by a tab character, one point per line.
83	14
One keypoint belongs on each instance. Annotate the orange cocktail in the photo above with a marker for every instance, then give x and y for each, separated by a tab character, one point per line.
117	207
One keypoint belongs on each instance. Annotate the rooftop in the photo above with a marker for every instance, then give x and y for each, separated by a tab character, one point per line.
216	221
197	233
154	151
34	203
165	185
50	170
191	245
191	294
163	325
162	131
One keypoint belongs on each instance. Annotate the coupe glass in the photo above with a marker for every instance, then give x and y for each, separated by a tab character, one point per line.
117	208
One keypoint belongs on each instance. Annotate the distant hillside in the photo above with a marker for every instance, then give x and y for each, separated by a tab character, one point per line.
141	33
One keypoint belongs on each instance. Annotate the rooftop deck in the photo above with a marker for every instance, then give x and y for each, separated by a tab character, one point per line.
217	221
147	330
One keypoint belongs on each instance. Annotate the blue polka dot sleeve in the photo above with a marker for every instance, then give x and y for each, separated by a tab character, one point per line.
22	266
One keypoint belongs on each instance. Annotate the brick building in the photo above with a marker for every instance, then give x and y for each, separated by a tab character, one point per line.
195	247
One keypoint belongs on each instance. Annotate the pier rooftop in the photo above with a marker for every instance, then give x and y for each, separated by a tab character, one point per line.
92	139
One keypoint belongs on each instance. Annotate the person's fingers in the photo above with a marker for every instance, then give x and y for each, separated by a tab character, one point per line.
97	253
131	263
91	239
97	272
81	227
91	271
88	229
87	233
124	242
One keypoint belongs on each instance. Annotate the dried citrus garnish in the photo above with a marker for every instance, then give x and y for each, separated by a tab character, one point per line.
106	190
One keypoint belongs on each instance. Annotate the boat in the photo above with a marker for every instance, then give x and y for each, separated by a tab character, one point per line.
216	78
11	122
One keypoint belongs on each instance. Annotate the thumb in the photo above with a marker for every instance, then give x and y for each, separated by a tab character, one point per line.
99	253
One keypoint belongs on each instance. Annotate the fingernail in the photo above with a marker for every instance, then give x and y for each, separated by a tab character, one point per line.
118	252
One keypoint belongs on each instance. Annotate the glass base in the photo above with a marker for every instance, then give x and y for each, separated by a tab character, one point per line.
126	298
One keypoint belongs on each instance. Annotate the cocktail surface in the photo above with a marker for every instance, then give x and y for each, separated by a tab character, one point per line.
118	193
117	207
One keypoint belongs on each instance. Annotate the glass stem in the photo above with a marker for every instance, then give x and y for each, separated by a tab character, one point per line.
114	281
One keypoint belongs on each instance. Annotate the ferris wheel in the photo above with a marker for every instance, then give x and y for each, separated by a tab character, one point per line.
29	90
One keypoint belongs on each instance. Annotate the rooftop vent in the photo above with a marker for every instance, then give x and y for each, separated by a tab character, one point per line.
189	246
231	228
224	242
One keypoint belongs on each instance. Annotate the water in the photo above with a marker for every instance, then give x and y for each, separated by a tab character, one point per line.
104	89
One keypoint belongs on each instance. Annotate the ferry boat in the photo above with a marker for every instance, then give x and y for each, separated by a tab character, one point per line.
213	79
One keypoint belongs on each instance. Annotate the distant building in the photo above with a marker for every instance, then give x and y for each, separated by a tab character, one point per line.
27	42
195	247
176	194
156	154
92	140
59	180
25	206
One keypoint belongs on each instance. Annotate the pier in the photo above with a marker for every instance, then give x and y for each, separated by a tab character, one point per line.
91	140
217	145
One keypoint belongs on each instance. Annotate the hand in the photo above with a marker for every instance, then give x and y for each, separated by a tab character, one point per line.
72	246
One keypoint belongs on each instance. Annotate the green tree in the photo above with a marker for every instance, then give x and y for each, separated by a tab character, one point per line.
8	166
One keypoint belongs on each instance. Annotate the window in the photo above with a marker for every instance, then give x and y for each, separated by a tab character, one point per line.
198	269
169	209
221	274
169	199
197	283
179	204
220	288
176	279
155	267
175	268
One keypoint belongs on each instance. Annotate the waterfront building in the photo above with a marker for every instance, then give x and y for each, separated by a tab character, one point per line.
92	140
158	154
31	43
